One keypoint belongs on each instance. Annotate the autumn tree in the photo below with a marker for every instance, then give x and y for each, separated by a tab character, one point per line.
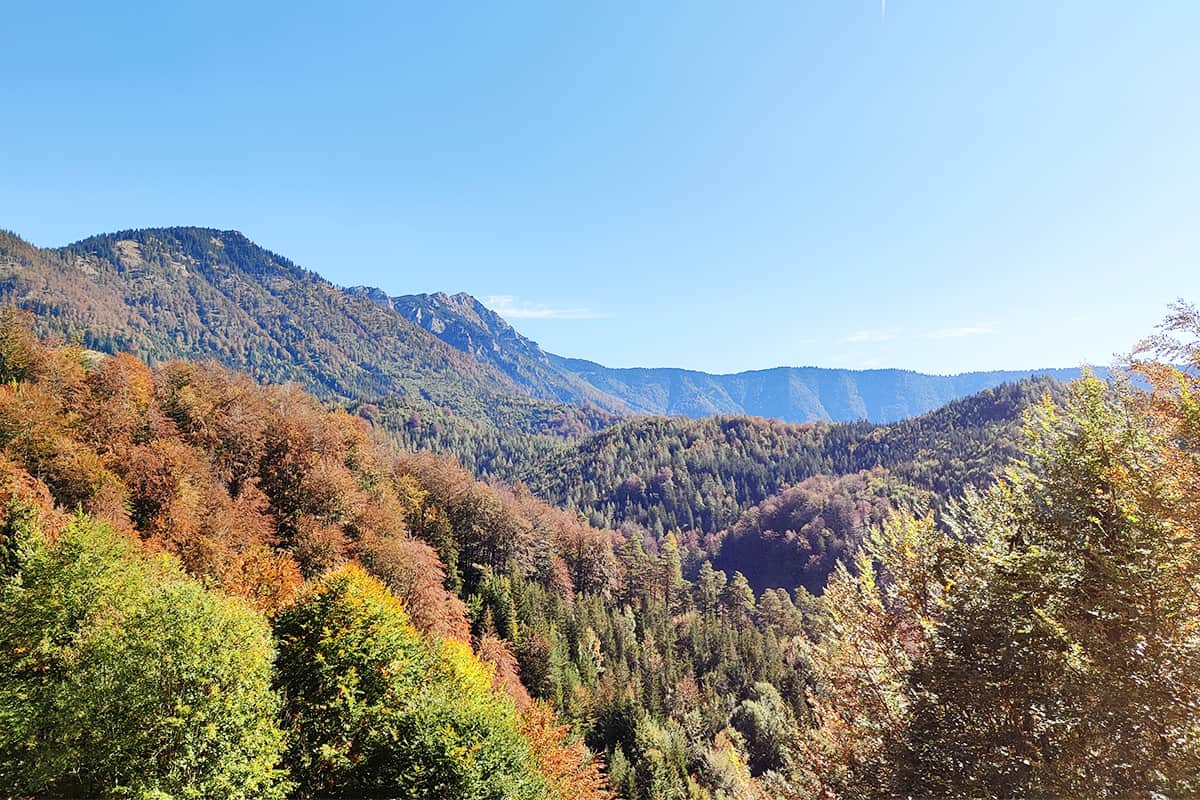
1067	662
372	707
874	624
119	676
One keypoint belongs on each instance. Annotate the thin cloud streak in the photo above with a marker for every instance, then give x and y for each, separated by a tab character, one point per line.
880	335
955	333
869	336
510	307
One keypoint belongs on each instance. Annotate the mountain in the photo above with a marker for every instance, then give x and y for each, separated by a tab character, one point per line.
794	394
471	327
789	394
196	293
674	473
449	370
681	678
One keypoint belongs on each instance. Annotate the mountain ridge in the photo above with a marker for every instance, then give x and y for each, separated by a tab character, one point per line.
190	292
465	323
798	394
196	293
789	394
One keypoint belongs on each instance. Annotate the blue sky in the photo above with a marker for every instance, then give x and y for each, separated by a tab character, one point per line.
720	186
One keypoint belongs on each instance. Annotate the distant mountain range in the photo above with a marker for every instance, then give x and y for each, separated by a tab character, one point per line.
790	394
203	293
796	394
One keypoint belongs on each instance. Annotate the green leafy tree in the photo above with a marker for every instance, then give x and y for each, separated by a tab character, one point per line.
374	708
768	727
119	676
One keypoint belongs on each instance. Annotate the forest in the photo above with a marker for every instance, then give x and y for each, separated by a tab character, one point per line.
445	373
212	587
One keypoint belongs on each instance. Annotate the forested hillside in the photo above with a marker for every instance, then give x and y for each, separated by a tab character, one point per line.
198	625
679	474
1046	645
600	401
201	293
155	517
212	587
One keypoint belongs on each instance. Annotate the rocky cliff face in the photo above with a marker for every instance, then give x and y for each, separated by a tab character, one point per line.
471	327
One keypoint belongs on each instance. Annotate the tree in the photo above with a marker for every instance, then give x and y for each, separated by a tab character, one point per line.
670	572
710	584
570	771
119	676
737	598
873	625
373	707
1172	406
411	571
638	581
768	727
1067	662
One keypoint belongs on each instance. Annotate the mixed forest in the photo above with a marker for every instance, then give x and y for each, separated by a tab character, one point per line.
214	584
212	587
444	372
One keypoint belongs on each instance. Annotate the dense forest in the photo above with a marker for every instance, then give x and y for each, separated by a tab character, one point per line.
185	613
681	474
432	577
216	588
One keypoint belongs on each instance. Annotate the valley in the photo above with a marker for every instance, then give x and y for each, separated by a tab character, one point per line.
643	568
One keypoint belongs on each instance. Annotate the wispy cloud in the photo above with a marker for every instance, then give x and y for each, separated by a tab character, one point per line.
955	333
870	336
878	335
511	307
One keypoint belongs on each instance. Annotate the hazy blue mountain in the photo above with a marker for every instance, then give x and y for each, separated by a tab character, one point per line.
790	394
794	394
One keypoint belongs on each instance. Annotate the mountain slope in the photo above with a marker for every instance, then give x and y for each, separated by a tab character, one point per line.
471	327
683	474
445	372
202	293
789	394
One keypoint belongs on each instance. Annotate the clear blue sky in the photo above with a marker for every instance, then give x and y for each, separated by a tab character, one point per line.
722	186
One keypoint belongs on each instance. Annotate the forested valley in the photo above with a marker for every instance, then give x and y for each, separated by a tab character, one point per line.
265	537
211	587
